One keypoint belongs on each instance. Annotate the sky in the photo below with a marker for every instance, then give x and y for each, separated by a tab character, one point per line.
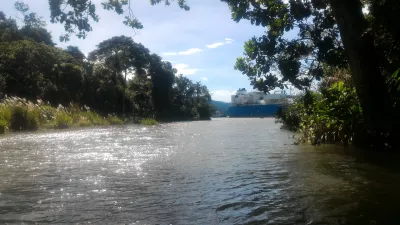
202	44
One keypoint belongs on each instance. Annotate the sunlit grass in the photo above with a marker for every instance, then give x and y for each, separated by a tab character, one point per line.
19	114
148	121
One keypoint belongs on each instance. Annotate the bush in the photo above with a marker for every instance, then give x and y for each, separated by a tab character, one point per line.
24	119
113	120
333	114
148	121
63	120
84	122
95	118
3	126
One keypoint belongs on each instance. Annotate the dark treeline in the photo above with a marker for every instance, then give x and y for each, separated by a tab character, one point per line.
119	77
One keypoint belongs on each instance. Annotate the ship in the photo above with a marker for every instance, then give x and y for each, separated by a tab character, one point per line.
256	104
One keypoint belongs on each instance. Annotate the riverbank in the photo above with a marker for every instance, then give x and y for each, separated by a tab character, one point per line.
18	114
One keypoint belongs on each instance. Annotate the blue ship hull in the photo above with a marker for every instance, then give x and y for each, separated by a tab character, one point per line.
269	110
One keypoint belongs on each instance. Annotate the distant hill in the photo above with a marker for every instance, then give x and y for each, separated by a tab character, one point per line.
222	107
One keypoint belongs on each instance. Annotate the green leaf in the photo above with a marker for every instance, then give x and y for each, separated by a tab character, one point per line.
396	73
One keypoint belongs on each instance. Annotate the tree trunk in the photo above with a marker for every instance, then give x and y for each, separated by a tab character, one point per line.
123	97
368	80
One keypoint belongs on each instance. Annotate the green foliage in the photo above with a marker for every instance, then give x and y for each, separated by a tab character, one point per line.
114	120
19	114
77	15
95	118
333	114
24	119
32	68
63	120
149	122
190	100
3	126
299	59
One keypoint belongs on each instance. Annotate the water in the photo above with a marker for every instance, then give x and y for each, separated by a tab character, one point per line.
225	171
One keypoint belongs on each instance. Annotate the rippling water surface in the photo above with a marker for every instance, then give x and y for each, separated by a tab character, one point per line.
225	171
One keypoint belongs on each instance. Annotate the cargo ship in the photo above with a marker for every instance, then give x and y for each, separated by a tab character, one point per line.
256	104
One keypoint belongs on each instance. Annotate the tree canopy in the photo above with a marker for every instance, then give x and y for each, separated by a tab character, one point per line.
119	77
76	15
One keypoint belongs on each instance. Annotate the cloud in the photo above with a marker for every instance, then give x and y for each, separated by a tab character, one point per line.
229	40
215	45
169	53
222	95
185	69
190	51
205	79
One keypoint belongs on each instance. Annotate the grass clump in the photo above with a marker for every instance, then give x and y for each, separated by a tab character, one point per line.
114	120
3	126
94	118
63	120
149	121
23	118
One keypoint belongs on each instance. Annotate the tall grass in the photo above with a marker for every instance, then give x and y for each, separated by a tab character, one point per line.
19	114
148	121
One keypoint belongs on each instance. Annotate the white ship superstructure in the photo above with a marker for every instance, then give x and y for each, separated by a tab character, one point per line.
242	97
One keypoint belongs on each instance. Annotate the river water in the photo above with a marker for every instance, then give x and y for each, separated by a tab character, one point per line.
225	171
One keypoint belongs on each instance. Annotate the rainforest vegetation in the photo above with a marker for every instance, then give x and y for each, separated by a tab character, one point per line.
47	86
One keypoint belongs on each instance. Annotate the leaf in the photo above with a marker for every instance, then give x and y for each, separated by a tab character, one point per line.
396	73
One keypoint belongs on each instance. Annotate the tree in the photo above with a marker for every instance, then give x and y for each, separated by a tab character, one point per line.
76	15
8	29
33	25
123	56
36	71
162	77
76	53
299	60
190	100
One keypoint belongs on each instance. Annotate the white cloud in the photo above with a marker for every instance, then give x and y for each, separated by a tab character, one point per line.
205	79
185	69
190	51
215	45
172	62
229	40
222	95
169	53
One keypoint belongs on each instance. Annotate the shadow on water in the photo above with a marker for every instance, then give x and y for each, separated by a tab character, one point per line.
366	190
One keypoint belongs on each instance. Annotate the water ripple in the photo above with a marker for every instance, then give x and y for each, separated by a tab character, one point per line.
242	171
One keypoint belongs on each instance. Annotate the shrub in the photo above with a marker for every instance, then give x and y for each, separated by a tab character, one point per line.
95	118
24	119
63	120
84	122
113	120
148	121
3	126
5	113
333	114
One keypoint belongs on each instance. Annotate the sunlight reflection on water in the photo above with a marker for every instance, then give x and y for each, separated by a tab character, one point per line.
225	171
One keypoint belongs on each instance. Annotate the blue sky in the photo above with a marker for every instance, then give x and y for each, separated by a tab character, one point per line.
202	43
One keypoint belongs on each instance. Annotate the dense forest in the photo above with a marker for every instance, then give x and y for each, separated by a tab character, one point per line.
120	77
